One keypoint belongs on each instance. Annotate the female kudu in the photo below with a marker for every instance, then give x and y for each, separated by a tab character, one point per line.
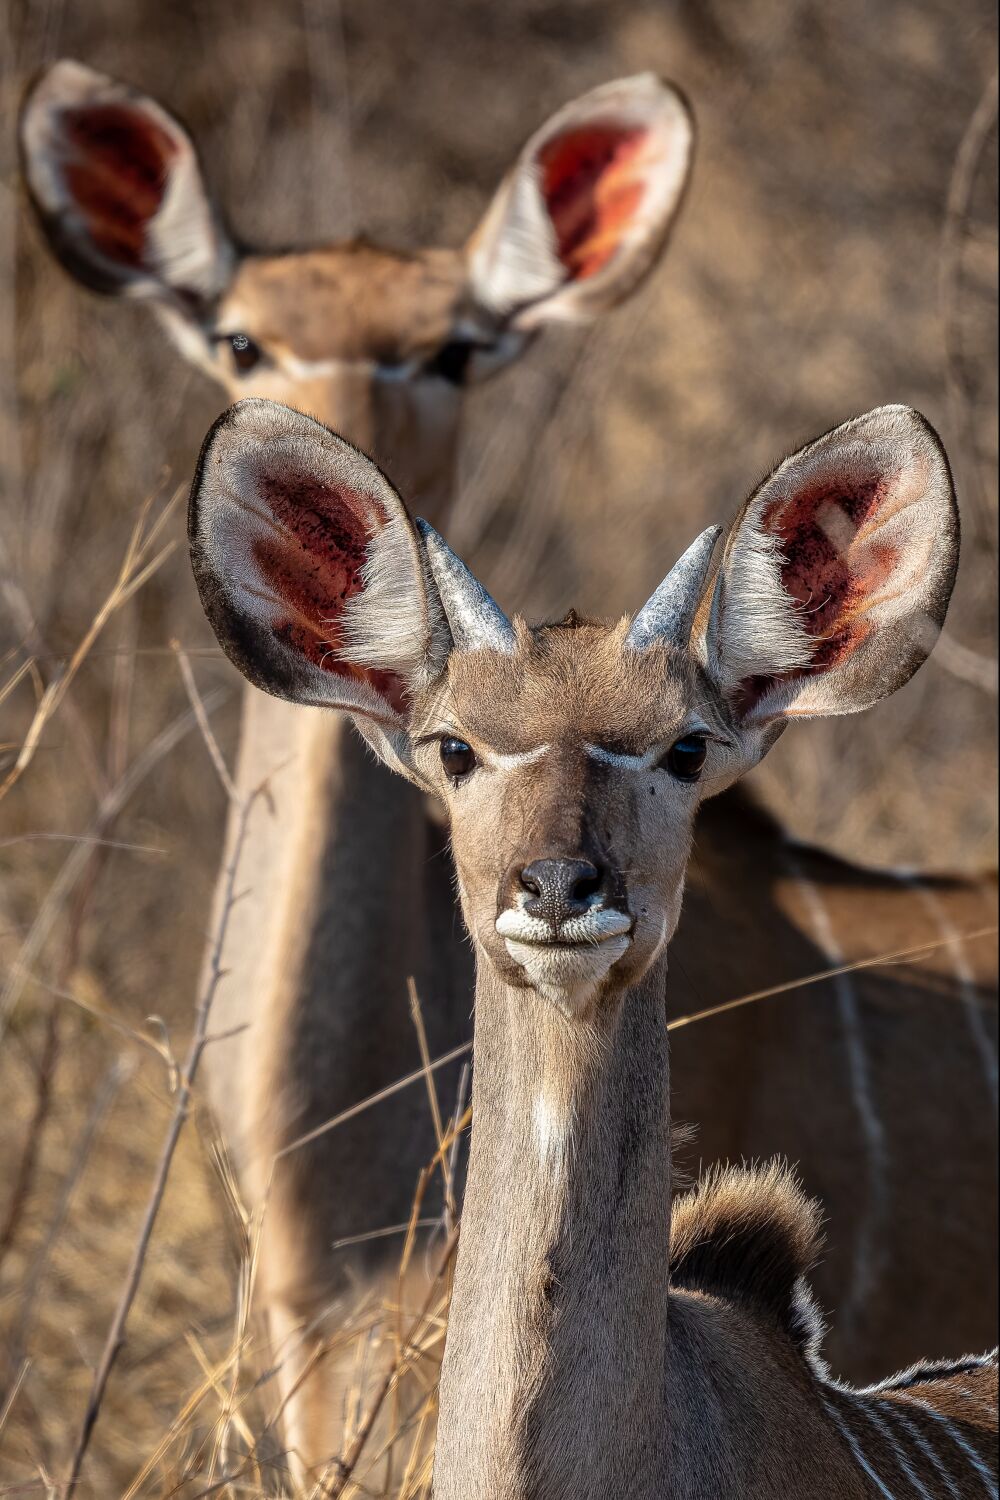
599	1345
379	344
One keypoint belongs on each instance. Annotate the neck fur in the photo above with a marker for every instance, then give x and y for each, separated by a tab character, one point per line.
547	1375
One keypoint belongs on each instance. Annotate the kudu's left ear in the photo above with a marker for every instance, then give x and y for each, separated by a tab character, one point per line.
835	580
586	209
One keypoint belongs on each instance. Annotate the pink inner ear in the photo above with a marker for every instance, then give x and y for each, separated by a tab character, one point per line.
825	572
592	191
117	163
313	563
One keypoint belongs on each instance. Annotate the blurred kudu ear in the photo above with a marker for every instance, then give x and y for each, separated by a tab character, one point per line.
586	209
835	579
118	189
311	571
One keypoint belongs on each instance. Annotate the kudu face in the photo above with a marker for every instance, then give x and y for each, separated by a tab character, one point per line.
570	769
376	343
571	758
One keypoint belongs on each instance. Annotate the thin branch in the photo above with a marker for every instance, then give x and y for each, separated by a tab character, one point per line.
135	570
113	1080
425	1058
76	864
456	1141
342	1468
207	734
900	955
25	1173
116	1333
700	1015
956	214
377	1098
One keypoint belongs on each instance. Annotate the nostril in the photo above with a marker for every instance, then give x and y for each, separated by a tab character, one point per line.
531	882
587	882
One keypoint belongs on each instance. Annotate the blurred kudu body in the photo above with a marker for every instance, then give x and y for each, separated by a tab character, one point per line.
378	344
880	1084
598	1343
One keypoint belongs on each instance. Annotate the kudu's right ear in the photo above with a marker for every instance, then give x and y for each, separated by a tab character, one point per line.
312	573
118	189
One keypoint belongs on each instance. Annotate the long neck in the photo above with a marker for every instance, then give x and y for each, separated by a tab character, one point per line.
553	1375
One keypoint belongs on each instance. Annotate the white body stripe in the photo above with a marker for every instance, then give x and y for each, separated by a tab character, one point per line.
849	1438
926	1448
989	1480
869	1252
881	1425
966	984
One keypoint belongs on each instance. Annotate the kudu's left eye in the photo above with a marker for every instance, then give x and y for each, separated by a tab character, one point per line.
686	757
457	757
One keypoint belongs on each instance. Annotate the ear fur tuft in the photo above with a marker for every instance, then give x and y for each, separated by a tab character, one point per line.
751	1237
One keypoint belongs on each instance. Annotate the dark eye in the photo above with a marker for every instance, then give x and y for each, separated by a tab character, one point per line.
686	758
451	362
246	354
457	757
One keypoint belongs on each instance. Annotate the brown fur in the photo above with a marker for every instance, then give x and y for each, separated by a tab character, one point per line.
349	302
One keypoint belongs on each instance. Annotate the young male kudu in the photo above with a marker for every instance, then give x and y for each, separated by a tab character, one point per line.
379	344
596	1345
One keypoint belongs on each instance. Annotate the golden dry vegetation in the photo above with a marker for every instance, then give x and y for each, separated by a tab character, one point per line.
837	250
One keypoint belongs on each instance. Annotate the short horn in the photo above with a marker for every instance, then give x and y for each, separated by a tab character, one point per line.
668	614
476	620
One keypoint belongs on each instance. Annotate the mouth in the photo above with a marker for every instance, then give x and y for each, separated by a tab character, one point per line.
567	964
591	929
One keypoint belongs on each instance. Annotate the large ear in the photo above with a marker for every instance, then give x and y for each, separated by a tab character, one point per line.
835	579
586	209
117	186
310	569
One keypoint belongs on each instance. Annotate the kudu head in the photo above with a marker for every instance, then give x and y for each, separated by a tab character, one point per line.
572	757
375	342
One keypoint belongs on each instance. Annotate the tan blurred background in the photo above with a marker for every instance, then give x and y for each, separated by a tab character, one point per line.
837	250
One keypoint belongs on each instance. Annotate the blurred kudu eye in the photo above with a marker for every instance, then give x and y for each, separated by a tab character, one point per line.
451	362
246	354
457	757
686	757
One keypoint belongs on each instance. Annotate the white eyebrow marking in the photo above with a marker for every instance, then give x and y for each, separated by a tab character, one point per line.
651	757
305	369
626	762
509	762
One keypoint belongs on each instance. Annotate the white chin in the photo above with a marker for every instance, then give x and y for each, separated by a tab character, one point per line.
567	976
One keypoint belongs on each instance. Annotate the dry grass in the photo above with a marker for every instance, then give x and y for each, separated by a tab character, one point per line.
837	250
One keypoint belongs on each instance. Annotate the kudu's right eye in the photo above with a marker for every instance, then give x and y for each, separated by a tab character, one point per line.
246	354
451	361
457	757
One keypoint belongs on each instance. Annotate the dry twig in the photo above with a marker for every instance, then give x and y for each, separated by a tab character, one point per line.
116	1333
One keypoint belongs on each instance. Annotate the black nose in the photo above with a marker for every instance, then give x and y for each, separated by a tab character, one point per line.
560	888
